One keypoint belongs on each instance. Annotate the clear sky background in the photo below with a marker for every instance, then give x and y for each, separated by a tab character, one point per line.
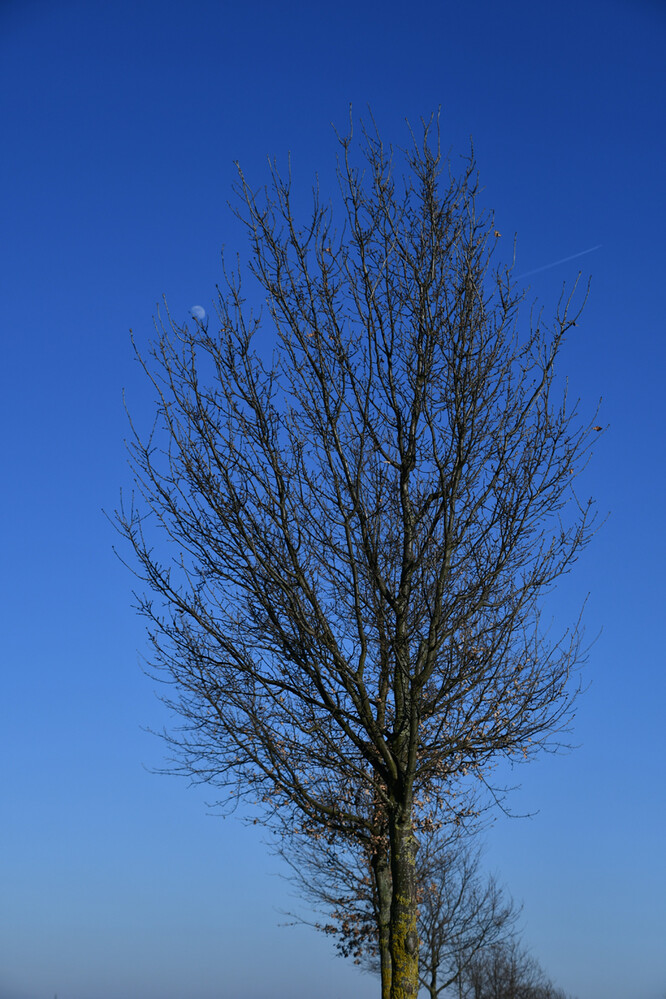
120	123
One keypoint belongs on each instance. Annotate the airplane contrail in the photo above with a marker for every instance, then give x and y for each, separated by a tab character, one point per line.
564	260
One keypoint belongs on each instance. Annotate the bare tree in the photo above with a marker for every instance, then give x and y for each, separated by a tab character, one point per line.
506	971
345	546
460	912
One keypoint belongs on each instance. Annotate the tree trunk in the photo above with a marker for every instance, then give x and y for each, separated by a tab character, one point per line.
432	985
382	874
404	931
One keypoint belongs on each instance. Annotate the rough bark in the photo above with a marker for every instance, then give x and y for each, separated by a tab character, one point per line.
382	878
404	936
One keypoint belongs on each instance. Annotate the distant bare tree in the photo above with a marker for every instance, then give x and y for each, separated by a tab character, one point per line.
461	913
345	547
506	971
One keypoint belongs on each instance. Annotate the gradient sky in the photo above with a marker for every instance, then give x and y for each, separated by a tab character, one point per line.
120	123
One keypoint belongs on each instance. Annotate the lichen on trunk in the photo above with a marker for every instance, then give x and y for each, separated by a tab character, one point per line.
404	937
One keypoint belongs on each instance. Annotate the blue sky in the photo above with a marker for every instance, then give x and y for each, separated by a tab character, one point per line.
120	124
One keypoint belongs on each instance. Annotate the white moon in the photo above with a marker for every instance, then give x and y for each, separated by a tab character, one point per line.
198	312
